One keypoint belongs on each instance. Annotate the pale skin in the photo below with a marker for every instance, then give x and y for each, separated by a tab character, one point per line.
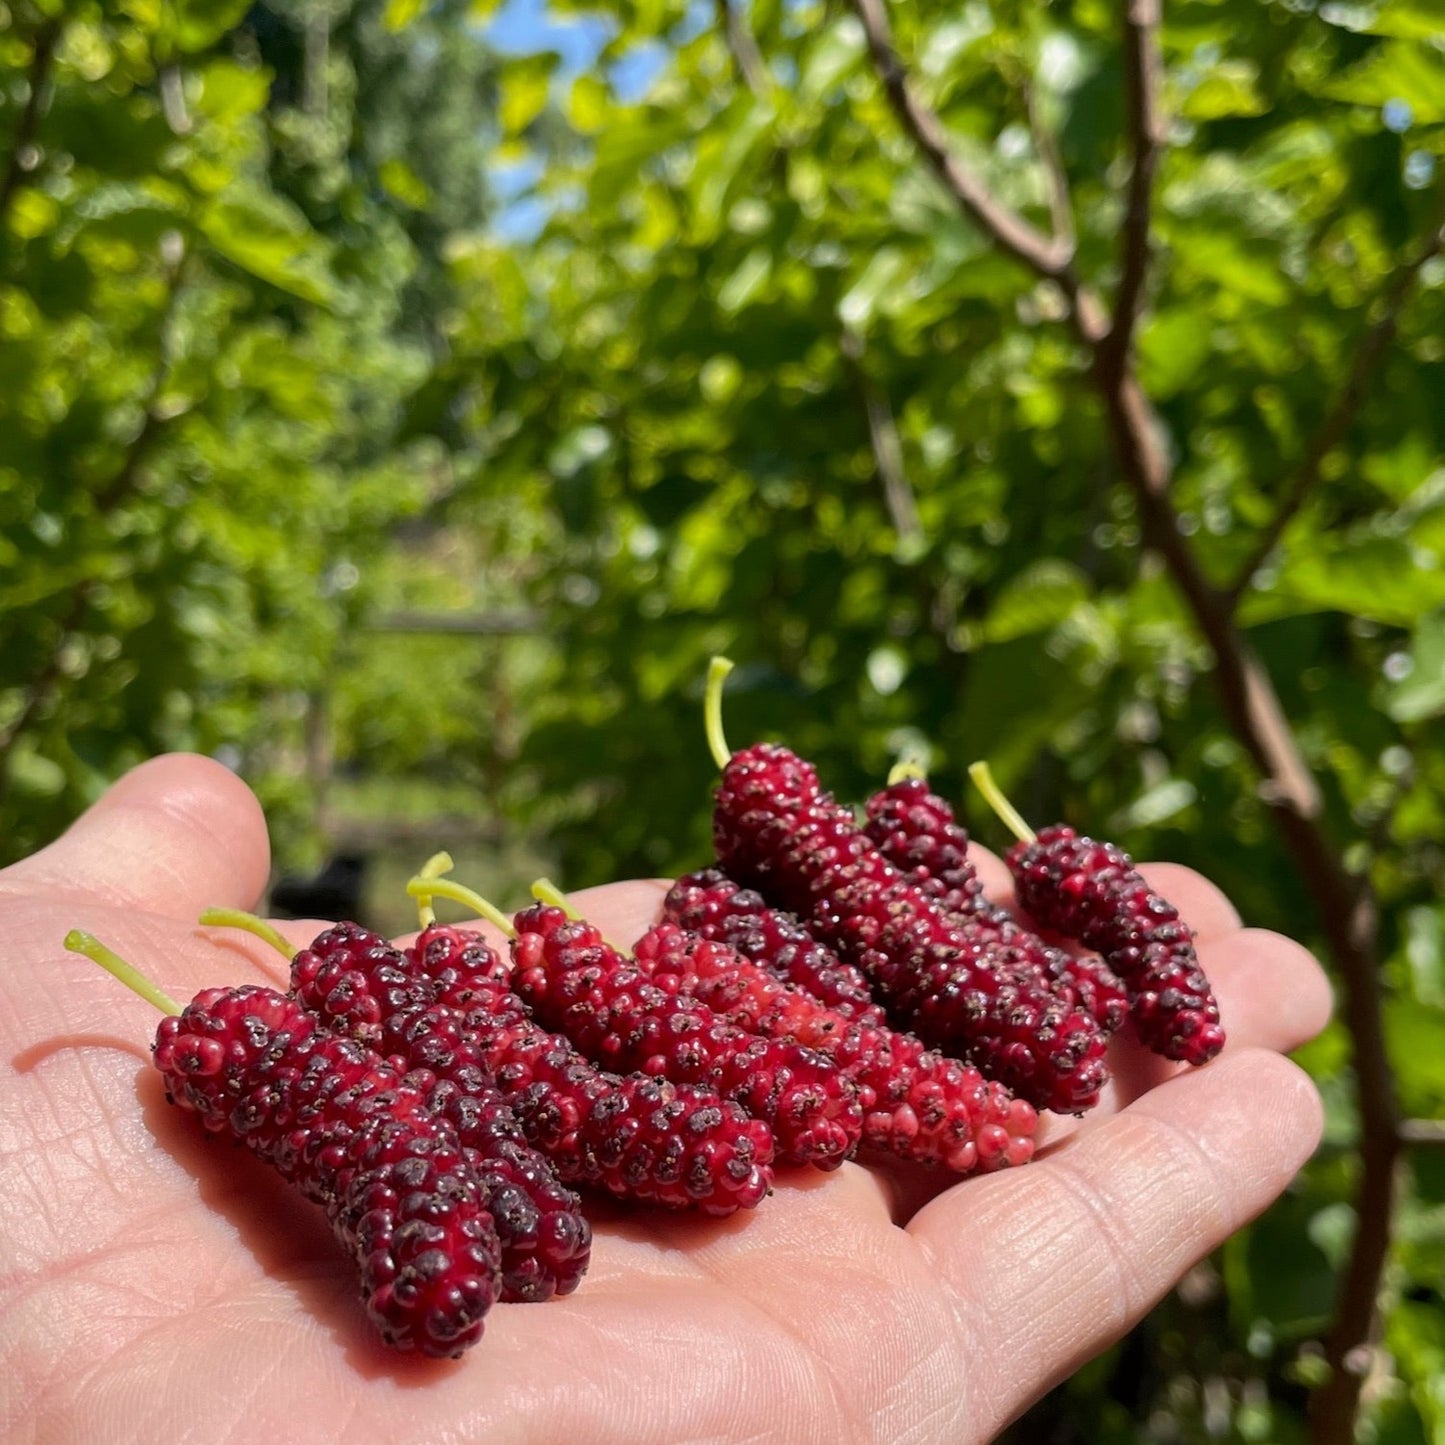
155	1285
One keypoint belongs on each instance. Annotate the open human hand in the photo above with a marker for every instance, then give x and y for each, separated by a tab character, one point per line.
156	1285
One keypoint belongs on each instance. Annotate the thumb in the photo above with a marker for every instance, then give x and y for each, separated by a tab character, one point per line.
176	834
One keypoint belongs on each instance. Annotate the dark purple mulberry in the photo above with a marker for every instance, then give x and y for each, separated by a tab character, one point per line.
362	986
1091	892
774	828
711	905
344	1125
917	832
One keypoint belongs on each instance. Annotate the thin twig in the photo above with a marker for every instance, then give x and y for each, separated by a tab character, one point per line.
1346	404
883	438
1143	123
1418	1132
1056	178
42	56
746	55
1009	231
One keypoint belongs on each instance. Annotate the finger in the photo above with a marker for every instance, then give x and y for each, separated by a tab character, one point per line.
1201	905
1272	994
623	911
175	835
1051	1263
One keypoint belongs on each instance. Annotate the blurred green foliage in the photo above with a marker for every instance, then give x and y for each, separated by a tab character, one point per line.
282	381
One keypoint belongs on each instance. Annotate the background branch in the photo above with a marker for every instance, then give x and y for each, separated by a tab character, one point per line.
1422	1131
42	56
1144	129
1248	699
746	55
883	438
1056	179
1009	231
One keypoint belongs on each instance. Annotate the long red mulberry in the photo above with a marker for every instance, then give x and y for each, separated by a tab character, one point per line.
916	1104
776	829
1092	892
610	1009
359	984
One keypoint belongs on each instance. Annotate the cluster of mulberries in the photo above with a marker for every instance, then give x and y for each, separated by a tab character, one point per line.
829	988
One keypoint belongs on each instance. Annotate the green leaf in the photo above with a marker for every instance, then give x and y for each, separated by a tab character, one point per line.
399	180
32	213
588	103
1155	805
400	13
272	242
1398	70
1384	579
1425	953
1039	598
747	282
230	92
1229	89
833	53
1420	693
1173	347
526	89
858	304
196	25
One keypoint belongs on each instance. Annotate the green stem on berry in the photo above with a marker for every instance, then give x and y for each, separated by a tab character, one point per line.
434	867
906	768
546	891
78	941
717	671
993	795
236	918
459	893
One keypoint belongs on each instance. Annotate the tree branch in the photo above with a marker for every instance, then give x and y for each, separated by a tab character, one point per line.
1051	259
883	438
1247	697
746	55
1144	127
42	56
1418	1132
1346	405
1056	178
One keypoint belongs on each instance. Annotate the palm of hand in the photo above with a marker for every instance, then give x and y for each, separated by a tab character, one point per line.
153	1283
